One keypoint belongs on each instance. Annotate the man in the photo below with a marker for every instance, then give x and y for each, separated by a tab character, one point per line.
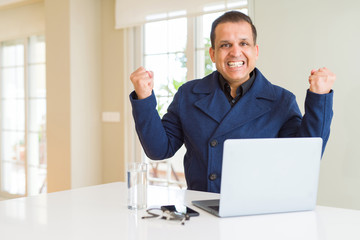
236	101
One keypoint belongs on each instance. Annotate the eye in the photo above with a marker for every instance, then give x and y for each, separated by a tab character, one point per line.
244	44
225	45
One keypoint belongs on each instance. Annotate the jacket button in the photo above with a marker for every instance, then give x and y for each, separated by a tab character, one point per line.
212	176
213	143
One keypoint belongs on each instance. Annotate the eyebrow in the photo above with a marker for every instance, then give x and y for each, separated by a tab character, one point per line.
227	41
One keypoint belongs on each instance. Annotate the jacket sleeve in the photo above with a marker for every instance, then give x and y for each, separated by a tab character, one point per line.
316	120
160	139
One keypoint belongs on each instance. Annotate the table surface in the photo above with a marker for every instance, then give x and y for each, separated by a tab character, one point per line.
100	212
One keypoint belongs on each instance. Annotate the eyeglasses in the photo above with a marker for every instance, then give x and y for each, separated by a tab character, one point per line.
167	215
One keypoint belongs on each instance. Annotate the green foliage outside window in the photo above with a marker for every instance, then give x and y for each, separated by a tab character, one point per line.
208	62
173	87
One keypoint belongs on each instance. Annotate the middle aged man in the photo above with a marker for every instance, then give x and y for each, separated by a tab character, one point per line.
236	101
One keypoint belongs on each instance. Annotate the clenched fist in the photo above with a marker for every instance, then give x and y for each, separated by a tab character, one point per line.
321	81
143	82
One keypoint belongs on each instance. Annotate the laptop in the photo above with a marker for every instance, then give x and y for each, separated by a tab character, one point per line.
267	175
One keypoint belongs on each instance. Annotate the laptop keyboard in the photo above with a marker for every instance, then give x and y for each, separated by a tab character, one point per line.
216	208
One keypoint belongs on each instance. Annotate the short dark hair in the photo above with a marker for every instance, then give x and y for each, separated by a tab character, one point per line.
231	16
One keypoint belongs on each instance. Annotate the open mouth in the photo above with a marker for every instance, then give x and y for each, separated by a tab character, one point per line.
235	64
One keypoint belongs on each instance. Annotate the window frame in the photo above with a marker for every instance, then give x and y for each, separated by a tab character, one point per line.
22	41
25	41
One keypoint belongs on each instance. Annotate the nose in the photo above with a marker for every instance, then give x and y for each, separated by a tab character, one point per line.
236	51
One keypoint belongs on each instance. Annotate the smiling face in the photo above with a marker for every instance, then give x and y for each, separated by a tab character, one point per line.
234	52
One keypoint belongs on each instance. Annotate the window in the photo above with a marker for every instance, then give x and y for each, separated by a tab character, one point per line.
165	55
177	50
23	117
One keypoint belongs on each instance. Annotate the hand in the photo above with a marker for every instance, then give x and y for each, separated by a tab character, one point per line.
143	82
321	81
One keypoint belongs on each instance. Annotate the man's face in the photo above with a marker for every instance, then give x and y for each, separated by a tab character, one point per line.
235	53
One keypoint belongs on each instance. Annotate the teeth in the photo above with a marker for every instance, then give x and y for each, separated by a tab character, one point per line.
235	64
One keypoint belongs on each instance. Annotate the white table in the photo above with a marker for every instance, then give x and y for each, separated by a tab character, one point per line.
100	212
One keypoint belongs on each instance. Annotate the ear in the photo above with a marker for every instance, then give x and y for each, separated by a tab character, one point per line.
212	54
257	51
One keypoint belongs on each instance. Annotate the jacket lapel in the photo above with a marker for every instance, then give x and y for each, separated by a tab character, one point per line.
254	104
214	103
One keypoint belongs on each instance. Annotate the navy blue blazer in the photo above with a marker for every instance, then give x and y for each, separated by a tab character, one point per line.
201	117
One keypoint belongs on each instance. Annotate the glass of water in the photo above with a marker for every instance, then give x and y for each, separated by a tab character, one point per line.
137	185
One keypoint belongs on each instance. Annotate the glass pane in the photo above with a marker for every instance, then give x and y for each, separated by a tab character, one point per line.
37	82
177	35
200	60
162	104
236	3
156	37
13	54
245	11
37	149
37	49
33	149
166	68
160	66
13	178
203	60
206	21
13	115
177	71
12	82
204	65
36	180
13	146
37	115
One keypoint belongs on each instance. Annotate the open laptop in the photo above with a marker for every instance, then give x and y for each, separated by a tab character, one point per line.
267	175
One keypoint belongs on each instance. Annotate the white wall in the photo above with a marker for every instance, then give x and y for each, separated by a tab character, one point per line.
22	21
296	36
85	60
114	99
73	54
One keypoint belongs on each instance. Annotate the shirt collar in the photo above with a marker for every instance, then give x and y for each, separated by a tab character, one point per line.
242	88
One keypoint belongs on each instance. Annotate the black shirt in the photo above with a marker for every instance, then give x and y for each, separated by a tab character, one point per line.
240	91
